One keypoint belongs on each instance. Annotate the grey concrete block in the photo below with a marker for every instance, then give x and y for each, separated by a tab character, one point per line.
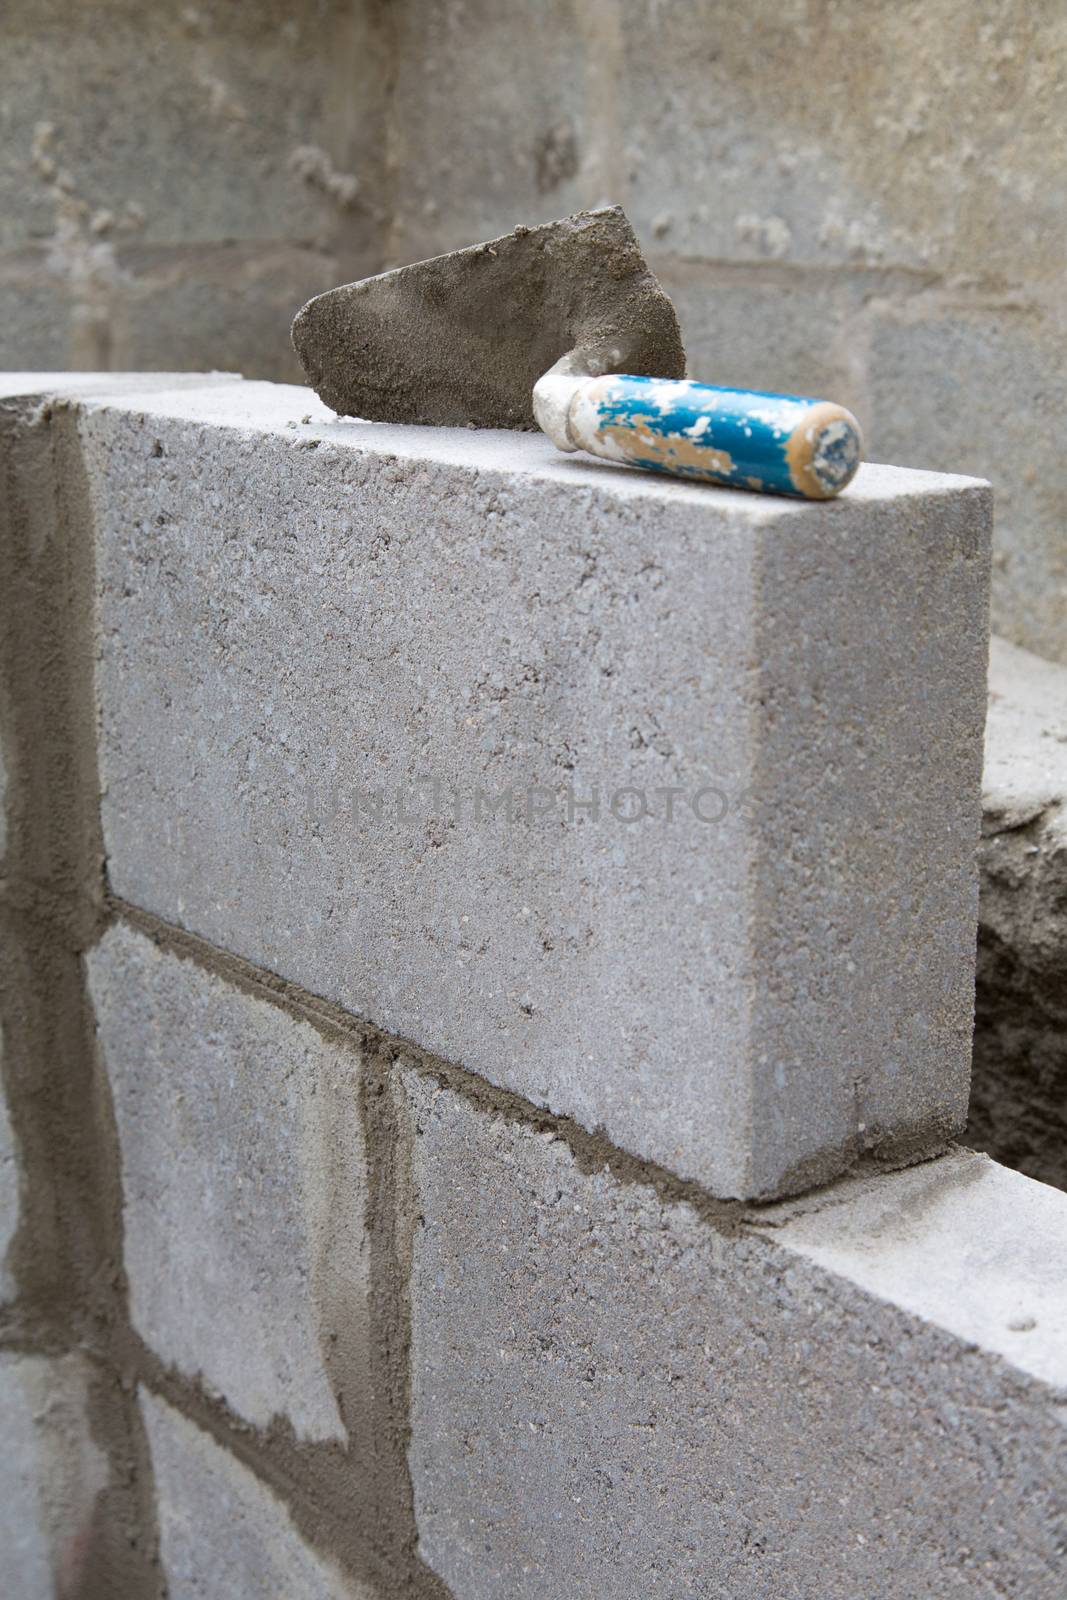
703	123
181	132
50	824
3	797
1019	1090
708	132
777	330
228	307
878	162
776	706
35	314
857	1394
222	1531
168	307
205	131
244	1185
531	139
64	387
952	386
51	1473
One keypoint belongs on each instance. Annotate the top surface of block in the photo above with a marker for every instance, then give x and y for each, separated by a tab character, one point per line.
962	1242
297	414
89	386
719	900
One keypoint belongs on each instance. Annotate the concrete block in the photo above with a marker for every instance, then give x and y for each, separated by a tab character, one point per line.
857	1394
167	307
244	1185
50	822
210	130
778	330
62	387
887	162
531	139
222	1531
228	307
951	386
3	797
51	1473
1019	1089
629	100
35	314
200	144
678	788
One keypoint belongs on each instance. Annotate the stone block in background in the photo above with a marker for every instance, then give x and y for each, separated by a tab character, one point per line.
527	130
3	799
208	128
1019	1089
857	1394
767	328
727	910
222	1531
702	122
886	163
241	300
35	315
51	1473
244	1186
959	385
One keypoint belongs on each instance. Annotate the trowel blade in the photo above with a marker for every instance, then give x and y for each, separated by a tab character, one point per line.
462	338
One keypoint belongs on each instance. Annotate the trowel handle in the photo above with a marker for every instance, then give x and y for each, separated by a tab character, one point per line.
777	443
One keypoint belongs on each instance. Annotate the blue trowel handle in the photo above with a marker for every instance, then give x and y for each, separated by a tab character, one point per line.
776	443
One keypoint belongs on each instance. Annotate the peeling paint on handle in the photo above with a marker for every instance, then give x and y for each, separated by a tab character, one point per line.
775	443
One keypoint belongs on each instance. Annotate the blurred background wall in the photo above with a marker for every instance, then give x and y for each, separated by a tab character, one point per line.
858	200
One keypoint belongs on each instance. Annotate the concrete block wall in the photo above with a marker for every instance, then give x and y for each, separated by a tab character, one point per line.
633	1394
294	1305
703	724
176	181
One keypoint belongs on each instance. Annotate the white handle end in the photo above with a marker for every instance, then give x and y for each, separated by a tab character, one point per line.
552	396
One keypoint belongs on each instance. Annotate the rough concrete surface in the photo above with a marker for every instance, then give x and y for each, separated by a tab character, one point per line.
244	1187
963	1243
712	139
3	798
992	390
890	240
64	1254
51	1473
1019	1091
613	1396
792	693
222	1531
177	177
49	822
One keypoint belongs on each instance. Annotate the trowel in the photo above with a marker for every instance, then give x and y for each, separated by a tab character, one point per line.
563	326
